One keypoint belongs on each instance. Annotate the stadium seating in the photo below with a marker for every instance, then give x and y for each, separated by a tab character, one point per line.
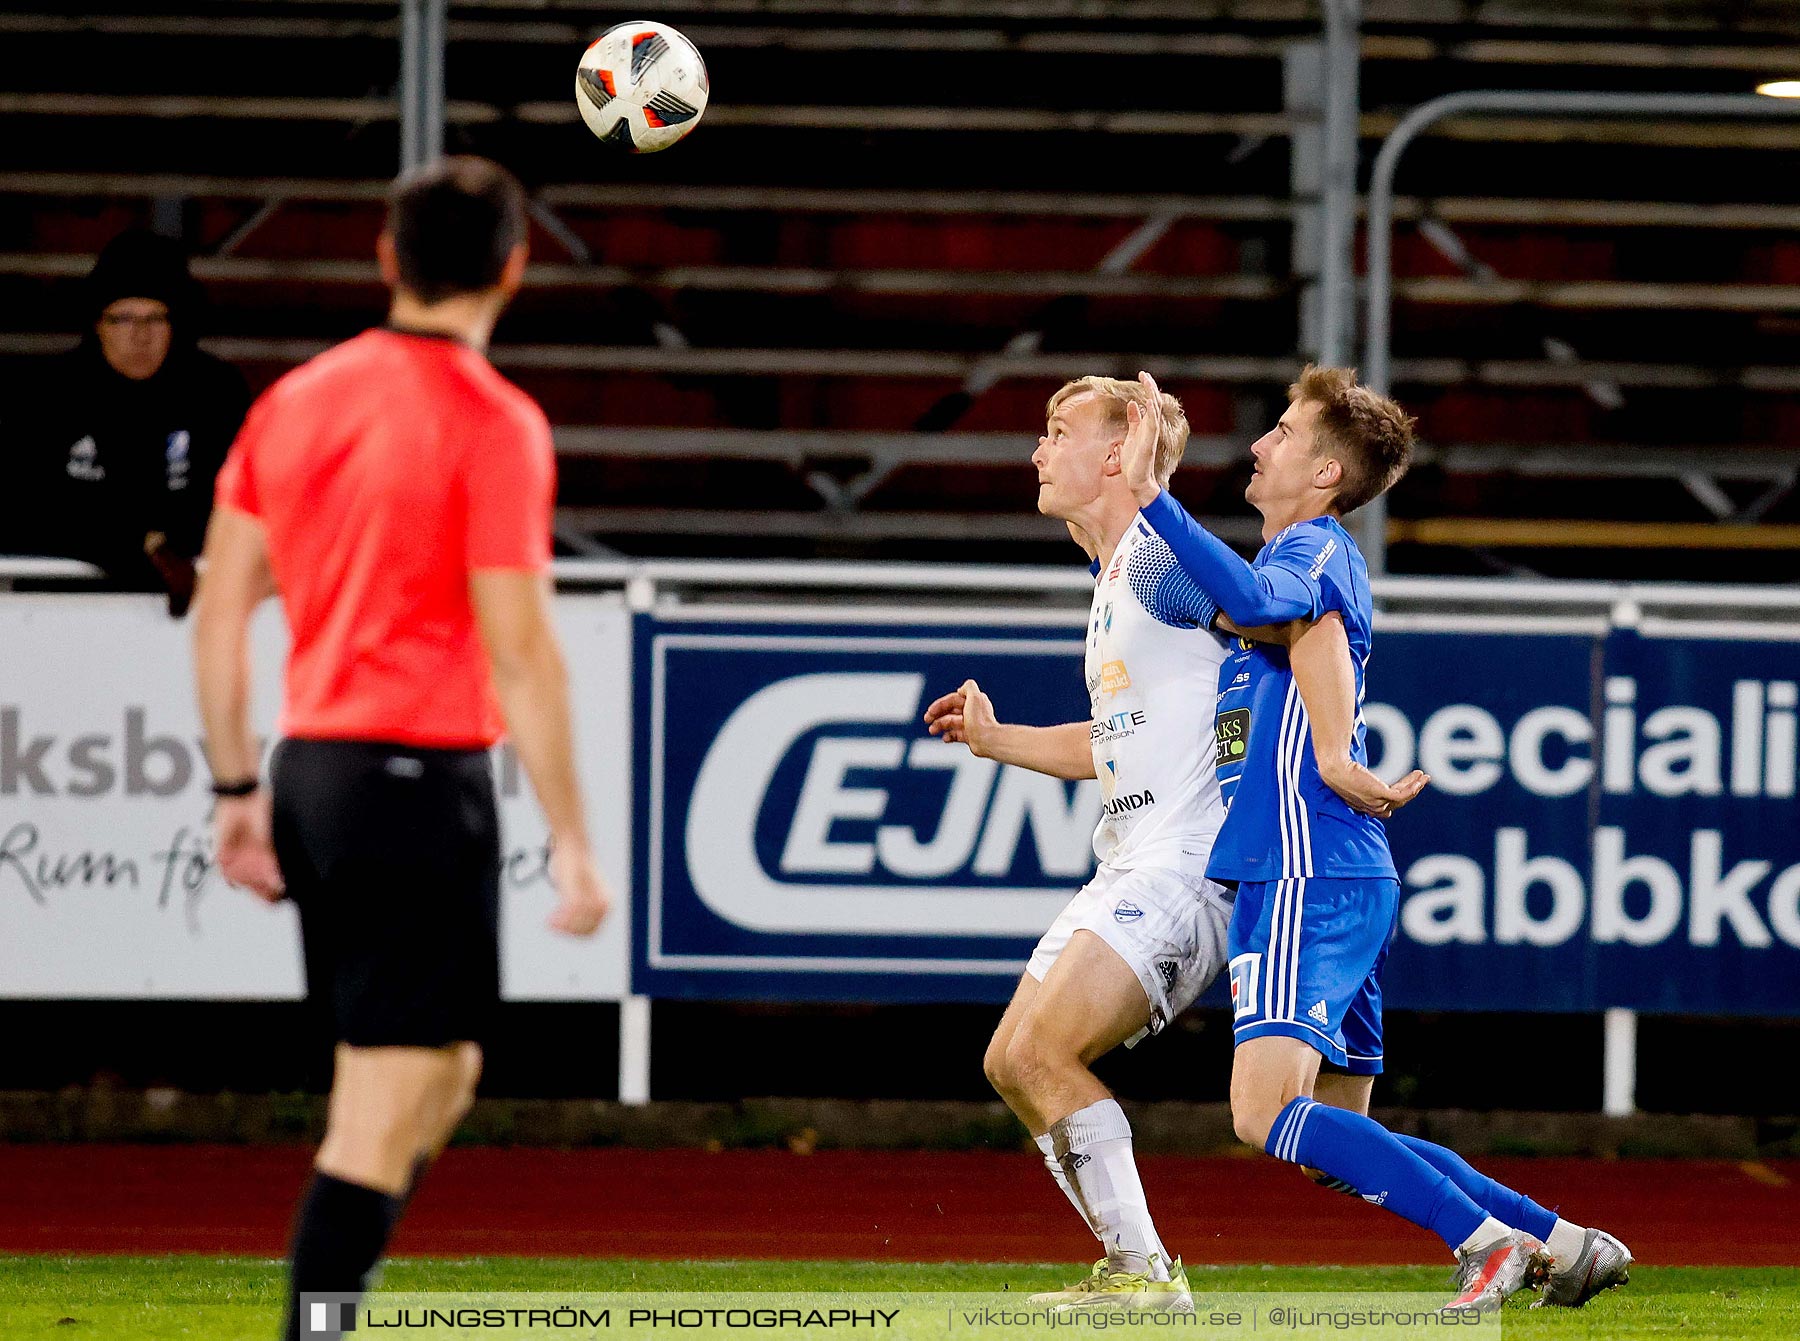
828	323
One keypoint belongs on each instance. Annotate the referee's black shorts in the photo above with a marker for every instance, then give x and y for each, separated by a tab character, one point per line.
392	854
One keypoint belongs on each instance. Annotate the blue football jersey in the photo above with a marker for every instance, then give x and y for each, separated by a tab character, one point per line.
1282	820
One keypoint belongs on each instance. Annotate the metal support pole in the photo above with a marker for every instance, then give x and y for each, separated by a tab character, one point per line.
634	1050
1619	1067
1303	79
1337	231
410	24
634	1011
1337	200
431	92
422	38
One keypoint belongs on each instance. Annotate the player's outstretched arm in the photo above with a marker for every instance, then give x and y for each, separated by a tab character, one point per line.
1326	677
513	609
1248	597
237	580
966	716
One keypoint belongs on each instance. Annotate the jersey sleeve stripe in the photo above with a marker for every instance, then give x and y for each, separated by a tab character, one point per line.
1281	810
1297	827
1284	790
1301	812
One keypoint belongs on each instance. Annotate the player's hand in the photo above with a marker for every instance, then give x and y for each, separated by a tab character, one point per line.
242	827
1367	794
582	898
965	717
1137	456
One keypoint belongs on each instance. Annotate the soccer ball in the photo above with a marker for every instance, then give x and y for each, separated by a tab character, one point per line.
641	86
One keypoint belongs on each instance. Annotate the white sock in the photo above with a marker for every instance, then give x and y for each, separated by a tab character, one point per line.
1565	1244
1489	1232
1048	1145
1093	1146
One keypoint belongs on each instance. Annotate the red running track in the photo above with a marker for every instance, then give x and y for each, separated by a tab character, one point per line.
907	1206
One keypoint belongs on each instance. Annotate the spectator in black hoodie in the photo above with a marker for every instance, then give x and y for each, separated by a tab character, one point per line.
129	428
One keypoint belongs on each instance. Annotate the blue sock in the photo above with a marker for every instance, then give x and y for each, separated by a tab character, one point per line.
1373	1160
1498	1200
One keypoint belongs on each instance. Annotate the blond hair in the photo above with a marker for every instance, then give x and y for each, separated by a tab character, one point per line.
1369	434
1115	395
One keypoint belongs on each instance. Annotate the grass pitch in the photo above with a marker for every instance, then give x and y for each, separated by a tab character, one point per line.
237	1299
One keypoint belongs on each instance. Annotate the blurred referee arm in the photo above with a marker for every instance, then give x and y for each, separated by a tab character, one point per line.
966	716
236	578
513	608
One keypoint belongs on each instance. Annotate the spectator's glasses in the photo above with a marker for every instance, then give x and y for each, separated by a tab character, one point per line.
121	320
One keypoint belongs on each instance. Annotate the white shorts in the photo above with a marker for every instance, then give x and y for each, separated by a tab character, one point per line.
1169	928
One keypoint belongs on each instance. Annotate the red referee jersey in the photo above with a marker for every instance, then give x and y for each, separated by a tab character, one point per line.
384	472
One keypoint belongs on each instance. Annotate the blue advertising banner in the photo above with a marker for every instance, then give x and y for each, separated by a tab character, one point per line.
1611	820
799	834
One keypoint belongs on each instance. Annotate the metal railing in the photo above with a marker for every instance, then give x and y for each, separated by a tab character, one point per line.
1626	602
1371	521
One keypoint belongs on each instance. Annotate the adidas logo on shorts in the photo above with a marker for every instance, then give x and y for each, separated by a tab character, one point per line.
1319	1013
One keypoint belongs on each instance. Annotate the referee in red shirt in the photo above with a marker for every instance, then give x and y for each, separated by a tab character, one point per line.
396	493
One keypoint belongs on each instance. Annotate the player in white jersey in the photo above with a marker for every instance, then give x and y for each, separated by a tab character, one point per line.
1147	934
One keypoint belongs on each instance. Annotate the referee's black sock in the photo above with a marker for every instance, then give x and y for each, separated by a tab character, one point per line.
340	1230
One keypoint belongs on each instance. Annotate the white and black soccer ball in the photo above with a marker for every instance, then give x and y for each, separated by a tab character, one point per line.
641	86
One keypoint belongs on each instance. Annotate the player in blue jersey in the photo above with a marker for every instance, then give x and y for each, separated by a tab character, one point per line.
1317	894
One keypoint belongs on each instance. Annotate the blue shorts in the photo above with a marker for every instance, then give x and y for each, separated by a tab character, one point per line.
1306	958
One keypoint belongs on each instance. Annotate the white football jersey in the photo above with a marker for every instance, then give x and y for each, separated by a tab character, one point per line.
1153	683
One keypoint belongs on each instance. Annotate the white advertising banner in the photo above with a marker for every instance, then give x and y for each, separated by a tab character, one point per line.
107	889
